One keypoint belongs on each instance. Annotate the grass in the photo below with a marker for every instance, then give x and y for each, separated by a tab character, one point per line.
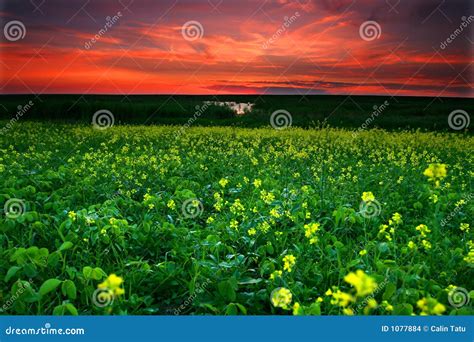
234	221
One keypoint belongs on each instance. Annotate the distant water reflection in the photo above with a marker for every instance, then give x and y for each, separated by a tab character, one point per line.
238	107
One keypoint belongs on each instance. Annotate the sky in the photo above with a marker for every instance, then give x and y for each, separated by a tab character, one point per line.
353	47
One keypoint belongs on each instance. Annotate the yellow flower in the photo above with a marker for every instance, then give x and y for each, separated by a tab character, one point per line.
368	197
423	229
426	244
430	306
464	227
363	252
289	261
340	298
348	311
112	283
296	308
276	274
435	172
363	283
267	197
281	297
234	224
257	183
311	229
223	182
251	231
411	245
387	305
171	204
275	213
397	218
72	215
372	303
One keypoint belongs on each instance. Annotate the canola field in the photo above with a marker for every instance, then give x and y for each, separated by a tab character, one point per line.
143	220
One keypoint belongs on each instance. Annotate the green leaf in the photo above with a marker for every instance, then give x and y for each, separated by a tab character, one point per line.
249	281
72	309
241	308
87	272
59	310
66	245
98	273
403	309
231	310
383	247
226	290
389	291
11	272
69	288
49	285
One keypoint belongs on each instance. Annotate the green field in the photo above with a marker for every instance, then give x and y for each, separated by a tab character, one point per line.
215	220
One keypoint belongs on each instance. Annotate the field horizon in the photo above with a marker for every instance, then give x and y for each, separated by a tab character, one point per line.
310	111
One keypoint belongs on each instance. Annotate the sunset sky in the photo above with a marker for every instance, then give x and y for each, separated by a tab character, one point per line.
319	51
